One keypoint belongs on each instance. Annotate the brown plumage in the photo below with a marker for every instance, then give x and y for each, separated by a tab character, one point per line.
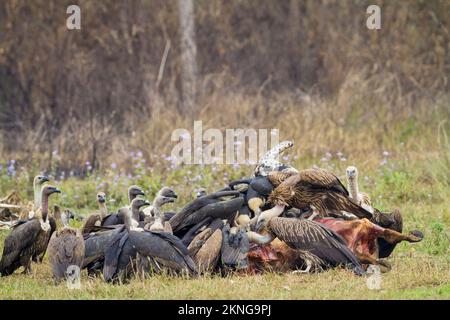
277	177
208	255
318	188
65	249
309	236
205	247
95	219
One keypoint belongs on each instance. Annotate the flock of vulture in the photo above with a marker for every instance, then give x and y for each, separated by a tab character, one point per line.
281	220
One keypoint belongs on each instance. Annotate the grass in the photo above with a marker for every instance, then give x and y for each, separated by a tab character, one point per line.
403	165
420	271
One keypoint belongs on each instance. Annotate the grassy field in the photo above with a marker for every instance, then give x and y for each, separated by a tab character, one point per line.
420	270
402	165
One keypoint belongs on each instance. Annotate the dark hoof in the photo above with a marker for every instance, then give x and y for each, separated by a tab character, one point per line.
416	235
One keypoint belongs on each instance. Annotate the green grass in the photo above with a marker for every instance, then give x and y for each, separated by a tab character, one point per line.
420	271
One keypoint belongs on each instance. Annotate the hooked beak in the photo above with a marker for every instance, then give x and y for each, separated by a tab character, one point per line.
167	199
45	179
56	190
141	193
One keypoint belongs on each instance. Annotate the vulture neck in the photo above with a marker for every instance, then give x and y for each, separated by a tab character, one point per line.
44	207
274	212
259	238
158	224
130	222
353	187
37	196
102	209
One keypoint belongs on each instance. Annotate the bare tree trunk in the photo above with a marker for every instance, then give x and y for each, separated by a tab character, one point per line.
188	53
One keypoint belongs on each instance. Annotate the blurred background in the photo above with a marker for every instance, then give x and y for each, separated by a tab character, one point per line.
80	100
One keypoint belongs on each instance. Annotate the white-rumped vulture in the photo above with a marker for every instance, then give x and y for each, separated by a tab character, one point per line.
163	248
65	249
307	237
318	188
26	239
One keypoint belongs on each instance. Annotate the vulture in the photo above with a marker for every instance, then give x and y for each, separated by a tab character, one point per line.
269	161
317	245
360	198
318	188
25	240
97	242
118	218
95	219
159	247
235	247
213	205
38	182
65	249
205	247
155	219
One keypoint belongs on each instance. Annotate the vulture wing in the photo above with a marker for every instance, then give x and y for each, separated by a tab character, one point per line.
96	243
235	248
315	238
197	204
223	210
21	238
113	253
163	246
322	179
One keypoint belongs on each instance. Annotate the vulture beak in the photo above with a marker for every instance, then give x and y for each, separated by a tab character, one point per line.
169	199
45	179
56	190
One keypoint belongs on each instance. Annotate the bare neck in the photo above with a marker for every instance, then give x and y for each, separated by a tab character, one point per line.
353	188
44	207
102	209
135	213
157	207
37	196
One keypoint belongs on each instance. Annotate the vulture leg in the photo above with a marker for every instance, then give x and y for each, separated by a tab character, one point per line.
308	268
25	261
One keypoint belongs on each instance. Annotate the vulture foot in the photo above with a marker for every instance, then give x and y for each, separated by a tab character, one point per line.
307	270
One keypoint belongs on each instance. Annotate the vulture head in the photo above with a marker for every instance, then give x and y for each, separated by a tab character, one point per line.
101	197
138	203
40	180
265	217
352	173
165	195
133	192
200	193
48	190
168	193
